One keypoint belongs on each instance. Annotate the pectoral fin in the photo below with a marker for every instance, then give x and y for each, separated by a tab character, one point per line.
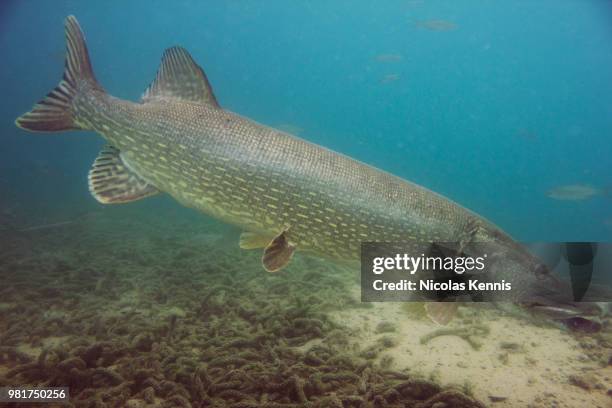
111	181
278	253
252	240
441	312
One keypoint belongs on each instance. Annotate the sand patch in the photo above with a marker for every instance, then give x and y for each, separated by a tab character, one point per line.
515	365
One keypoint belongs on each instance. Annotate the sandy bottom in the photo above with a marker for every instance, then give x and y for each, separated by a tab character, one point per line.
515	364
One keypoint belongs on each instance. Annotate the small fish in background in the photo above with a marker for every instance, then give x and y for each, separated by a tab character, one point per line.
389	78
437	25
527	134
388	58
289	128
574	192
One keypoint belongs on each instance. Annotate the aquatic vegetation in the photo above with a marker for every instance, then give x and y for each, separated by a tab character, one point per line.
511	347
385	327
585	381
173	331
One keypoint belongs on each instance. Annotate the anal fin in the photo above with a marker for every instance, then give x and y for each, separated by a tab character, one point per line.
278	253
252	240
111	181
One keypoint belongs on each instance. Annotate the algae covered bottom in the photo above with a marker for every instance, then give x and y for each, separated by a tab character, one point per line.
163	324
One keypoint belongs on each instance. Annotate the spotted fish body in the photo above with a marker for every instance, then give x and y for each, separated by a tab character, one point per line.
285	192
267	181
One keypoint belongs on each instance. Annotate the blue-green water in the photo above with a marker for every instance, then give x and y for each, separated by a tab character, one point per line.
499	106
492	107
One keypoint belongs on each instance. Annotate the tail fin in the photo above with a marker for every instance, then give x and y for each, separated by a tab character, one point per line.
55	112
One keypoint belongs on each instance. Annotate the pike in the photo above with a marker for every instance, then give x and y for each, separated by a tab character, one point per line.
286	194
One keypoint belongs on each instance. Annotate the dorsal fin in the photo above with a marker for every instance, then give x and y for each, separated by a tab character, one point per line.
111	181
181	78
